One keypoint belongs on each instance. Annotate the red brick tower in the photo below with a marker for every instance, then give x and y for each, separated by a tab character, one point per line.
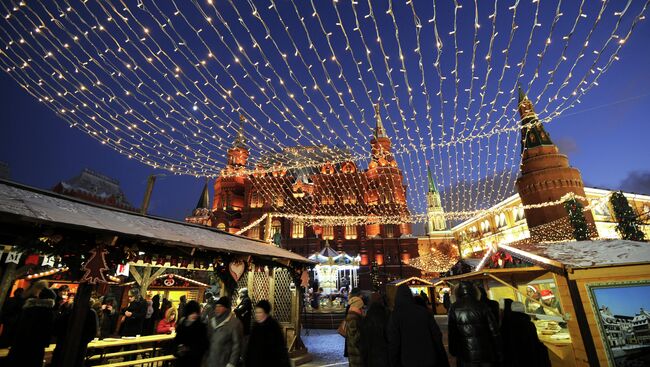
230	187
545	174
386	193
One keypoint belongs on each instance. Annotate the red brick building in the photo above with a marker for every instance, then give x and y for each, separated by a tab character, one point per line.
329	189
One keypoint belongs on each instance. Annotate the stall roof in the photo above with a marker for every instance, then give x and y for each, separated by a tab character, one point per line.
33	205
485	273
585	254
410	281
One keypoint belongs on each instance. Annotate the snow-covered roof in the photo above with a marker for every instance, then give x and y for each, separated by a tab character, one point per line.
96	184
584	254
47	207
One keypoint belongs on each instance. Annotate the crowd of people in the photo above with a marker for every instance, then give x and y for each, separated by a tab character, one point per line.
212	334
480	333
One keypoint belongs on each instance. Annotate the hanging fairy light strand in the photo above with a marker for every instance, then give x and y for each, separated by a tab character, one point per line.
166	84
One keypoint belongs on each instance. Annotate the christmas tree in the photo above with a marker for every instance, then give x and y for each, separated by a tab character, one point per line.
577	219
628	222
374	276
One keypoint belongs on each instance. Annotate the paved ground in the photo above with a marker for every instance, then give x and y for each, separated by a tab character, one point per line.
326	346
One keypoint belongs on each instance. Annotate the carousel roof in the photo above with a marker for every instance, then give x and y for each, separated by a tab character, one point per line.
21	204
329	256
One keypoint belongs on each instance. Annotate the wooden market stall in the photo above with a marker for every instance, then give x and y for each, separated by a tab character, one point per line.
587	298
416	285
93	241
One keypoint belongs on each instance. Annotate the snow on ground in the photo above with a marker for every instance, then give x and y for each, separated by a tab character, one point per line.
325	346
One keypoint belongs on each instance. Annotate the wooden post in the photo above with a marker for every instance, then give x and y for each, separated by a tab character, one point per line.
147	194
267	228
74	348
8	278
145	279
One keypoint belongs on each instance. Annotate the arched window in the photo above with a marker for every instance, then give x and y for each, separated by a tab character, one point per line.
350	232
254	232
276	227
328	232
297	229
519	214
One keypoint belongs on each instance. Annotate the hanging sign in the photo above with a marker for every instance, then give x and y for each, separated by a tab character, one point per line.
169	281
13	257
95	267
48	261
122	269
237	268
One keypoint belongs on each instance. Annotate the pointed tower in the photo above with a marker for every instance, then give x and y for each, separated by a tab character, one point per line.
230	187
238	154
202	214
386	192
435	213
545	176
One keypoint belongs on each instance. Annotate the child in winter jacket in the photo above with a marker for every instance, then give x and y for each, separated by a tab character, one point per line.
168	324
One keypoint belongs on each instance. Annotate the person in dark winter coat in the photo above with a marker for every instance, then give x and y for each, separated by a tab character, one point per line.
191	341
374	339
107	318
353	321
414	338
33	331
181	306
208	310
10	315
266	346
520	339
474	337
446	300
134	314
492	304
244	310
226	336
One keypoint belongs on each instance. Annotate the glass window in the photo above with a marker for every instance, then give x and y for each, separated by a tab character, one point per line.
254	232
298	229
276	227
328	232
350	232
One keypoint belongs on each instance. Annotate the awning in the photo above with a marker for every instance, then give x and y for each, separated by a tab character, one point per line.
532	271
20	204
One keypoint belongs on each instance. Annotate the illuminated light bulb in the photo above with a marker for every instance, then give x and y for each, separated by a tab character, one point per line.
195	108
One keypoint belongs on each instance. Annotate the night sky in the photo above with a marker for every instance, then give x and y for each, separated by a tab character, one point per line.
606	137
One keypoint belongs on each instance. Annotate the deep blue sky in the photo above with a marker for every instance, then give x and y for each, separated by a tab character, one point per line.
605	136
624	300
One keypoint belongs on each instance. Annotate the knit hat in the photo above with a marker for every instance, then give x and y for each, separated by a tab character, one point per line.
224	301
47	293
355	292
356	302
547	294
532	288
518	307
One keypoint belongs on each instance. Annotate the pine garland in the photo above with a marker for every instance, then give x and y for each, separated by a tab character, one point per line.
577	218
628	223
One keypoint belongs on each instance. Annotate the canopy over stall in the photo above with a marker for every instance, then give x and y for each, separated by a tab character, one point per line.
92	240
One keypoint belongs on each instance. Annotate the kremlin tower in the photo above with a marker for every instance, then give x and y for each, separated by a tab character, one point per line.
545	175
435	214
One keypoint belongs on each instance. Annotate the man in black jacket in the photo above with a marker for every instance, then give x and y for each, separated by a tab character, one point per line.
414	338
473	331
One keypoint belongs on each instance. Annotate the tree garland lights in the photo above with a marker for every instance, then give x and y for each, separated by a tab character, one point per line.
628	222
166	83
575	209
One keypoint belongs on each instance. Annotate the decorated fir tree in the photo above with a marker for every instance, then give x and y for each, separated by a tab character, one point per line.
374	276
628	223
577	219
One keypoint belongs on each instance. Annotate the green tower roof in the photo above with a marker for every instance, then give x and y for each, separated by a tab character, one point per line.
432	182
204	199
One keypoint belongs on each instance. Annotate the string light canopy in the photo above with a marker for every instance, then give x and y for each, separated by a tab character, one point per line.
166	83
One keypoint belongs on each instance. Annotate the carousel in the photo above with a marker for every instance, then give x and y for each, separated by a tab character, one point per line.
335	270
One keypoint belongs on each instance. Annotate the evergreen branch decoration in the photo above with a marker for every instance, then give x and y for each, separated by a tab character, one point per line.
628	223
577	219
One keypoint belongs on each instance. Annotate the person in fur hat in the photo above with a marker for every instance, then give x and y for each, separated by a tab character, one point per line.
34	331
